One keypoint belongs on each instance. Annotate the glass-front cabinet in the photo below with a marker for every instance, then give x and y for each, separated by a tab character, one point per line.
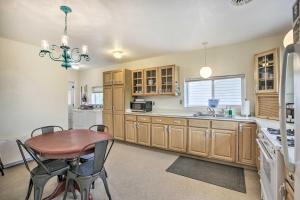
151	81
137	83
267	71
167	79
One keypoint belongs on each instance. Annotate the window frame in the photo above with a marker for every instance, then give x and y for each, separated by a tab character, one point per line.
213	78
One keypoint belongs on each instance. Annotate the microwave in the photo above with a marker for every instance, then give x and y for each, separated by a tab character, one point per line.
141	106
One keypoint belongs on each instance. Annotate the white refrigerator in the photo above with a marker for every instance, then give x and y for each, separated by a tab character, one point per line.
290	93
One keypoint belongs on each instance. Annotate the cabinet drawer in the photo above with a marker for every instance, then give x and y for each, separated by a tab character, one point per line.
143	118
224	125
178	121
130	117
160	120
199	123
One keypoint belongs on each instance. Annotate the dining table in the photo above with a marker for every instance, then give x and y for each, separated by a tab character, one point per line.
66	145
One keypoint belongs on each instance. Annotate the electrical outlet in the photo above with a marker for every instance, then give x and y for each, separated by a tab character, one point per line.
180	102
153	103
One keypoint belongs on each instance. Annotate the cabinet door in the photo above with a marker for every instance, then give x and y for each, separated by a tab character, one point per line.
130	131
108	121
198	141
118	98
151	81
159	135
144	133
118	77
137	83
246	144
177	138
107	78
289	191
167	79
118	126
223	145
107	98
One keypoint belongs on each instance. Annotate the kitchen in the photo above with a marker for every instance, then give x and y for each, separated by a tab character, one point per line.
216	105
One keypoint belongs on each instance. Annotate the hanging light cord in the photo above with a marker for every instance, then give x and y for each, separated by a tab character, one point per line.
66	23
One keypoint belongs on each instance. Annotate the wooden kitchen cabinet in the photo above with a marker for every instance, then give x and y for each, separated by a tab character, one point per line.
118	77
198	141
143	133
108	120
151	81
177	138
107	98
118	101
159	135
223	145
247	144
130	131
118	126
137	83
107	78
267	71
289	192
168	78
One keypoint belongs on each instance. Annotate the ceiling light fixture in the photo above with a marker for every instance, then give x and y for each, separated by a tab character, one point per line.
66	55
206	71
288	39
240	2
118	54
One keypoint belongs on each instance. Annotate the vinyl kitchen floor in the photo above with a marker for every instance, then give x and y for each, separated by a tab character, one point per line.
136	173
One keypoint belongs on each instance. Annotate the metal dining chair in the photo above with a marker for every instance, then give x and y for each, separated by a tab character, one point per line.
40	175
1	167
47	129
86	173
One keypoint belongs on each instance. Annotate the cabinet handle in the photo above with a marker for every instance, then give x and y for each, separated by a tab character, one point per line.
159	120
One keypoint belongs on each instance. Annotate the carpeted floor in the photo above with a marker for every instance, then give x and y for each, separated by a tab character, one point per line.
137	173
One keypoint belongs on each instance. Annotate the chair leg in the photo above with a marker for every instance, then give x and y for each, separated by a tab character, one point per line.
1	167
29	189
38	192
103	177
84	192
105	172
66	188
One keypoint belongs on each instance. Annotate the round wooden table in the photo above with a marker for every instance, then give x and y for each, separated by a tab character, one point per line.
64	145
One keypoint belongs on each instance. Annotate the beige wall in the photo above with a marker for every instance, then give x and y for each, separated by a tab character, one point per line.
224	60
33	93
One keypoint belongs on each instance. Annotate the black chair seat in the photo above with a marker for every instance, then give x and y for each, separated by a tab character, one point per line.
54	166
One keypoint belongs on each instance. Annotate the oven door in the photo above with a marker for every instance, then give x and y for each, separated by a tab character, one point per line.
267	170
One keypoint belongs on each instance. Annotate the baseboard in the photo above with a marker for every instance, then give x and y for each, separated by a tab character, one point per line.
19	162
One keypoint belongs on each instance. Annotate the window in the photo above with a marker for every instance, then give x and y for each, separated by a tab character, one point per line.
228	89
97	96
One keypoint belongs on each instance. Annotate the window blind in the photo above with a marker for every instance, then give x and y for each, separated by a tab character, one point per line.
228	91
198	93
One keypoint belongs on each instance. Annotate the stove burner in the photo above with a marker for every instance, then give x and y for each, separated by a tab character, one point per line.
290	141
289	132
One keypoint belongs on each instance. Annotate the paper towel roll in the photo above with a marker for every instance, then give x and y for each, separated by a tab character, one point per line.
246	108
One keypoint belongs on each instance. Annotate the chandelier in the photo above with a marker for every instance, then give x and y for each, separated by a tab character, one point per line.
64	53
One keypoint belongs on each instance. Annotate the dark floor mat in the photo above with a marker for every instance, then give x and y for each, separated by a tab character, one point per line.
218	174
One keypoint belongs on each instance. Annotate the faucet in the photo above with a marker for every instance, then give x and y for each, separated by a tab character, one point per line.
211	111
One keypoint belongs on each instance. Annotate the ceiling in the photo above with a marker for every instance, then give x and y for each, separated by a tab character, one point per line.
143	28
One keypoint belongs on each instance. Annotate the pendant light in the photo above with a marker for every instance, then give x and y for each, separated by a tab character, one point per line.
288	39
206	71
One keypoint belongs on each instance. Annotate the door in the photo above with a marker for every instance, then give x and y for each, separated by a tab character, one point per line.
118	98
144	133
130	131
177	138
108	121
71	102
107	78
107	98
247	144
159	136
198	141
118	123
118	77
223	145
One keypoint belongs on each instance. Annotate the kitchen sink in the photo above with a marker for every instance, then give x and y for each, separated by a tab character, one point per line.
209	115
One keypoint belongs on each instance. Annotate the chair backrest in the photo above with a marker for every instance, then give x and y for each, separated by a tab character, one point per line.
99	128
33	156
100	154
46	129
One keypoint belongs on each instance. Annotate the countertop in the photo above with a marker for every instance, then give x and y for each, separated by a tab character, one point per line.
262	123
91	110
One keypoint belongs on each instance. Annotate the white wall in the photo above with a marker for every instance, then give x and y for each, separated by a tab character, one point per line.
224	60
33	93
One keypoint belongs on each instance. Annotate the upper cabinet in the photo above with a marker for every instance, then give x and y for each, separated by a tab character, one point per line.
114	77
137	82
155	81
107	78
267	71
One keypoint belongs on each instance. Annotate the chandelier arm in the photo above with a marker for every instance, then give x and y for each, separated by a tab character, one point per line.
53	48
74	52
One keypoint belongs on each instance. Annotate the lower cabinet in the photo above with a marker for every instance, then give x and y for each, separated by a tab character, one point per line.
118	121
108	120
159	135
223	145
246	144
143	133
198	141
130	131
289	192
177	138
